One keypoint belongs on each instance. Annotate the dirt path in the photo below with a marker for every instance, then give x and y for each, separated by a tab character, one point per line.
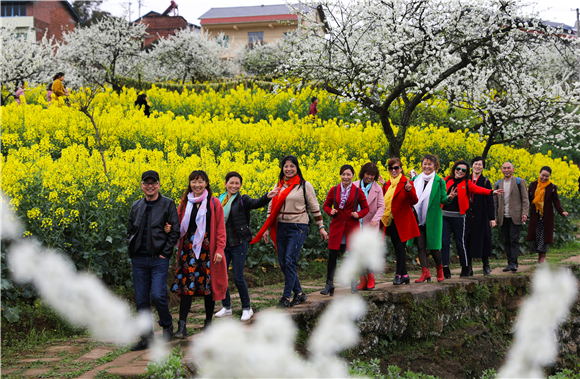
85	358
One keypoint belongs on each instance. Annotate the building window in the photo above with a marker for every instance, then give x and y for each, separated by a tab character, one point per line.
13	9
255	39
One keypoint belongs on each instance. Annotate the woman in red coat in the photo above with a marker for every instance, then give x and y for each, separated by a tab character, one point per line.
341	204
201	265
399	219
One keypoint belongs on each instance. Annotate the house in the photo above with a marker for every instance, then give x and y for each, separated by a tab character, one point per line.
245	27
162	25
32	19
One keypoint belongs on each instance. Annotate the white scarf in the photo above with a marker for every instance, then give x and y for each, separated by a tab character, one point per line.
423	193
200	219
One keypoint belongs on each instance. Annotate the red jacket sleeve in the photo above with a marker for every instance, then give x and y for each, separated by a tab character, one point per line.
327	206
218	216
362	201
477	189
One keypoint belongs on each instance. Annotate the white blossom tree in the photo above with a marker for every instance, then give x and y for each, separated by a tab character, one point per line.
529	92
263	59
395	54
103	52
187	56
24	60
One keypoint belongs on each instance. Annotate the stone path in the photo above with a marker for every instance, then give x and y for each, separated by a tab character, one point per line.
84	358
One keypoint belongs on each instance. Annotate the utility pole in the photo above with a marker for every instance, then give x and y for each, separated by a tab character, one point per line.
578	22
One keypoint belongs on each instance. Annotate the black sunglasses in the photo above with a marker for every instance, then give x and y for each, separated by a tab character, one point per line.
461	169
394	167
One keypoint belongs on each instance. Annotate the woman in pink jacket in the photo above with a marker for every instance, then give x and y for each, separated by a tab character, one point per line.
368	175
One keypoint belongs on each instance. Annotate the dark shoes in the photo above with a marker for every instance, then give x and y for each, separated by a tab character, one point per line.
181	330
284	302
446	272
299	298
168	333
401	279
328	289
141	345
466	271
486	270
510	267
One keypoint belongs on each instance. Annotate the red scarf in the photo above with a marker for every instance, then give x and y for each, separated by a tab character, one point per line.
277	203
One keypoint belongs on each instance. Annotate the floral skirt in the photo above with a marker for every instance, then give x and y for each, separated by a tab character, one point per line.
192	276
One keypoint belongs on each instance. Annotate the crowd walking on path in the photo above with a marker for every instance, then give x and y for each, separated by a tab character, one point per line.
423	210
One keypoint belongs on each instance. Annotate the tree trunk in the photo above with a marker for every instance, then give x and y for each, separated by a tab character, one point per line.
490	142
395	144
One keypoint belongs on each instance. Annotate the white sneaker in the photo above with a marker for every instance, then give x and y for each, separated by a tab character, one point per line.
247	314
223	313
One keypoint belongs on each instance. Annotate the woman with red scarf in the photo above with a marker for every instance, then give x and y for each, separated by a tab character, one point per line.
287	225
399	220
201	264
342	203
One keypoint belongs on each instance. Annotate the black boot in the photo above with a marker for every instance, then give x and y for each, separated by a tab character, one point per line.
464	271
446	272
168	333
486	269
328	289
181	329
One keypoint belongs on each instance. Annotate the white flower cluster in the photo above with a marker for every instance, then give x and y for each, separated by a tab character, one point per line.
536	329
80	298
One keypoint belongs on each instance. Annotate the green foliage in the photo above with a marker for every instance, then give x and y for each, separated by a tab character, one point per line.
372	369
168	369
565	374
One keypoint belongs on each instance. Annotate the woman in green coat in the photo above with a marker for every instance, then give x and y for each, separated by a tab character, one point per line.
431	192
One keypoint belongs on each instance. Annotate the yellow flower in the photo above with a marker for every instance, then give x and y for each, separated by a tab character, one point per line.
33	213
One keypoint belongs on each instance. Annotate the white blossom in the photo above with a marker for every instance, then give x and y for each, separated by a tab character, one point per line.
535	344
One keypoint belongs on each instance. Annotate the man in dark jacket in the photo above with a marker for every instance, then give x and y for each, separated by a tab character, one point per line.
150	249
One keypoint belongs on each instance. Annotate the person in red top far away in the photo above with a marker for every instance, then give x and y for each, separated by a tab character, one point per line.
313	106
459	188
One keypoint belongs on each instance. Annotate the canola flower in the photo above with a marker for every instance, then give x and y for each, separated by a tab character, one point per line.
53	171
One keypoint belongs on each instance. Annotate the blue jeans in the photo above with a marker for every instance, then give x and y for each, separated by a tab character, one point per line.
455	225
236	255
150	281
289	240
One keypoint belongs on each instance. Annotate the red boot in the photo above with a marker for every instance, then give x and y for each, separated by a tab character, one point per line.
440	275
541	257
370	281
425	276
363	283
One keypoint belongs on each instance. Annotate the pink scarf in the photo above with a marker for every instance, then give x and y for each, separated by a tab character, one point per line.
200	220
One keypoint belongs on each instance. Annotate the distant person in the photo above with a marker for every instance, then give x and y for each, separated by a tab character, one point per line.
543	196
19	93
58	89
142	102
313	106
511	211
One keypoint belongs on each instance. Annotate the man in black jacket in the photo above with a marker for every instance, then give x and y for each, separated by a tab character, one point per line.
150	249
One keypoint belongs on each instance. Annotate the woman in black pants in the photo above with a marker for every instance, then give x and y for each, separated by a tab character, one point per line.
237	209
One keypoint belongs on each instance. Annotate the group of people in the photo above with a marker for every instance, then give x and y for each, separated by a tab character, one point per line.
211	233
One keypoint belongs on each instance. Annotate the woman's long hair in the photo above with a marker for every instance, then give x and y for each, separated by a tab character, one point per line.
294	161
